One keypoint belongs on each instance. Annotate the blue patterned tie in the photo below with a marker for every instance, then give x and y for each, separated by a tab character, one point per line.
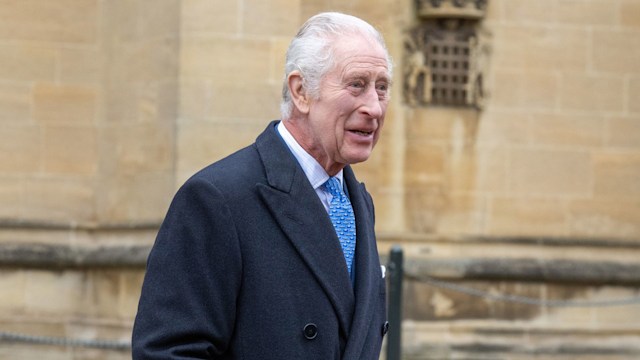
341	215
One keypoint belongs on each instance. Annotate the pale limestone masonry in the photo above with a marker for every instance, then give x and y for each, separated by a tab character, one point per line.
107	106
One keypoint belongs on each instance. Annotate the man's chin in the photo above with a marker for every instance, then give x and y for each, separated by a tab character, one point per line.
358	158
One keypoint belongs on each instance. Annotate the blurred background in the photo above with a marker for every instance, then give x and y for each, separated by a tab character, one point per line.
508	169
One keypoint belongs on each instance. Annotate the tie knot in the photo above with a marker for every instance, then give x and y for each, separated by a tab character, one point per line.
333	187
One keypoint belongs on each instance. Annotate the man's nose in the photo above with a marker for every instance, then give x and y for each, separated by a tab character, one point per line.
372	105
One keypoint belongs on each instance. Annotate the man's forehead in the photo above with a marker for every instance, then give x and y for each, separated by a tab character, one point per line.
363	65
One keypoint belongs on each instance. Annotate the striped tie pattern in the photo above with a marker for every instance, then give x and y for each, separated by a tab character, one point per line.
341	215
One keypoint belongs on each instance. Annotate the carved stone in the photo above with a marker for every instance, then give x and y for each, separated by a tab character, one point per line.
445	63
468	9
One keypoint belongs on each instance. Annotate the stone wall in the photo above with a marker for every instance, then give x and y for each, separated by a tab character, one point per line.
88	103
107	106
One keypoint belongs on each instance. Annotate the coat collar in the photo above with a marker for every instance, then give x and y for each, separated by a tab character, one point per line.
296	207
300	214
368	273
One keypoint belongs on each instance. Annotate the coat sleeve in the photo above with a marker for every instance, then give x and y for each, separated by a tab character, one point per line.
188	302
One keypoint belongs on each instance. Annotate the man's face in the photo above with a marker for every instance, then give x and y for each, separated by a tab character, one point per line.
345	121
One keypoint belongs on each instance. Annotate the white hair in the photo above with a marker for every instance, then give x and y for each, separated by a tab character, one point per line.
311	51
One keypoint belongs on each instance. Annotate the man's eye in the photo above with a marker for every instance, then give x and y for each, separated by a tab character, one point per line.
357	84
382	87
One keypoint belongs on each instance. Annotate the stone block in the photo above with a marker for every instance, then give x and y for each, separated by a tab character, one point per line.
571	316
617	175
23	62
120	21
70	150
202	143
225	59
389	208
615	316
440	125
129	149
424	205
15	103
616	52
423	163
140	198
462	171
103	294
491	170
210	16
192	105
279	48
271	17
382	14
508	46
525	89
561	49
425	302
64	104
160	19
606	218
130	288
541	90
586	12
533	11
634	94
30	352
539	48
12	283
63	21
514	310
494	12
372	11
500	128
623	132
100	354
153	102
20	149
582	92
145	61
11	198
82	65
563	130
550	172
243	99
510	216
507	97
121	101
630	13
59	199
60	293
34	326
463	215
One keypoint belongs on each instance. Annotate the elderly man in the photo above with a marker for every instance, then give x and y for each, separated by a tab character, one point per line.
270	253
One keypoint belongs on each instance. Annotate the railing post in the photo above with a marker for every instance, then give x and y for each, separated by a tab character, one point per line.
396	271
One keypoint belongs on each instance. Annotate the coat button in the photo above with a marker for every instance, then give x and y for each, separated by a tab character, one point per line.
310	331
385	328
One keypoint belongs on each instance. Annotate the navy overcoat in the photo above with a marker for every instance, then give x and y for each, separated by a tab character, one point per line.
246	265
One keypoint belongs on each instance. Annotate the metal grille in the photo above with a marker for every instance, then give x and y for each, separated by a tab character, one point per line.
449	62
444	64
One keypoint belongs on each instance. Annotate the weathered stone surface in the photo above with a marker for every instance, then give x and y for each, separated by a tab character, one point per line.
108	106
60	256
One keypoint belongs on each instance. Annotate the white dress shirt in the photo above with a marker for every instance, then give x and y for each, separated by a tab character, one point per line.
313	170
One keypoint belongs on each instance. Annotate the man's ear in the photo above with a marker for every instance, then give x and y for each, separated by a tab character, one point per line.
297	91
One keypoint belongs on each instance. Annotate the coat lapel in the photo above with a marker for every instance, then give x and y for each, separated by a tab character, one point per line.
367	266
300	214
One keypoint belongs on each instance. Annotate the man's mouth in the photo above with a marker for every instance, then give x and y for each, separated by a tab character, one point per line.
362	132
